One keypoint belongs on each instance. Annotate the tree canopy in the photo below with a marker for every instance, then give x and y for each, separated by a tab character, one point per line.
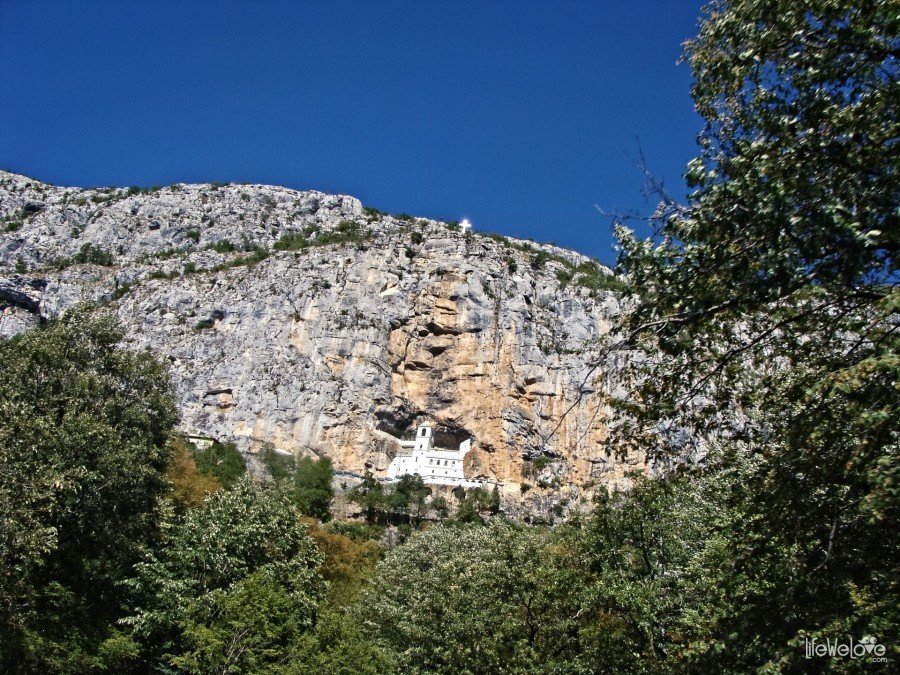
766	308
83	454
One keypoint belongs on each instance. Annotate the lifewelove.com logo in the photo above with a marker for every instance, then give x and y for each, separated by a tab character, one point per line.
866	648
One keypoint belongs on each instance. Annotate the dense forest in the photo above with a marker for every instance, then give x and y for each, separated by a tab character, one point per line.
761	338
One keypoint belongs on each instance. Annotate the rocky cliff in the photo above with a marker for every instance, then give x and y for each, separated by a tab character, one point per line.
307	321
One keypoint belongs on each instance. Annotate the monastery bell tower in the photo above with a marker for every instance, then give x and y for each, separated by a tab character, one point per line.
424	440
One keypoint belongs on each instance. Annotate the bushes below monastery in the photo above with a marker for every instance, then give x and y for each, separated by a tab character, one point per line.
306	480
409	502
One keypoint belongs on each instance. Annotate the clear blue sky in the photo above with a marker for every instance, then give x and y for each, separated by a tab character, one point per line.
520	116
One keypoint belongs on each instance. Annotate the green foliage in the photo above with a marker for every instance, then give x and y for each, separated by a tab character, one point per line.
254	626
223	461
476	502
193	235
591	276
82	459
772	292
440	506
531	468
539	259
293	241
256	255
346	232
471	599
124	289
373	212
312	491
499	238
355	530
222	246
402	502
234	587
407	499
88	254
279	466
655	566
370	495
307	480
340	647
204	324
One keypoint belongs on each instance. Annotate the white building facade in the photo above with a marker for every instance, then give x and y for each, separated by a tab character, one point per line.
434	465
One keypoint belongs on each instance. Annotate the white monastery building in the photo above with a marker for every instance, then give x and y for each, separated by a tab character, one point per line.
435	465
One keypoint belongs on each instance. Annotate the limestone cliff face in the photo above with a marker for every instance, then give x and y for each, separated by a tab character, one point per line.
334	348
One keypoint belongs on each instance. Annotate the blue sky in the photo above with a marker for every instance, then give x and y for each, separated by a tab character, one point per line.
520	116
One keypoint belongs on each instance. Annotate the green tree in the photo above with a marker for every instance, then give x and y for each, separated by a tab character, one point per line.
408	499
766	308
312	489
279	466
253	626
233	588
222	461
475	502
83	455
370	495
472	599
652	564
309	481
340	647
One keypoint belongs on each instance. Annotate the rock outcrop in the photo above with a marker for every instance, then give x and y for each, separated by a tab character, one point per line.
306	321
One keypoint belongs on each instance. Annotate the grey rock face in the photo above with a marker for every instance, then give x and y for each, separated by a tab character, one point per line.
372	324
